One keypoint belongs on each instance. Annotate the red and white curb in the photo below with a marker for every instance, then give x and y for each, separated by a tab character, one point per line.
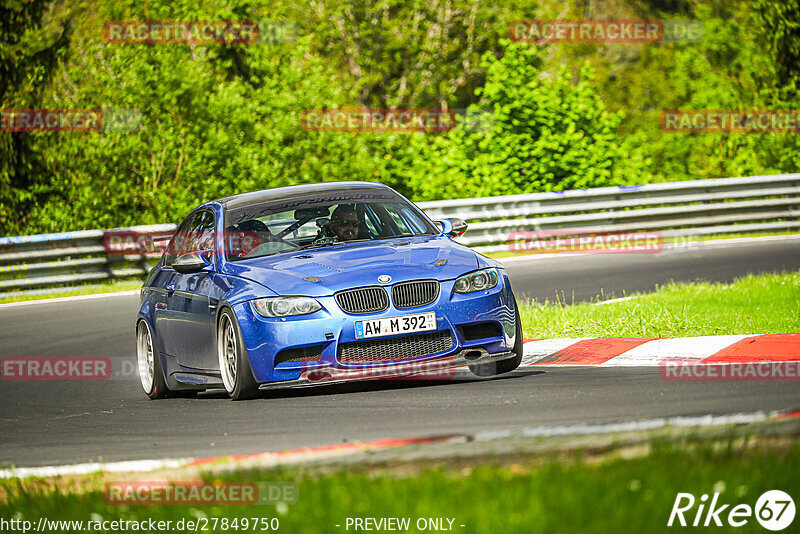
650	352
342	450
606	352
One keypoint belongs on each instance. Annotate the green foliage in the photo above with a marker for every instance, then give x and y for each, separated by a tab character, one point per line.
215	121
730	68
412	53
30	51
531	131
696	82
781	31
225	118
623	482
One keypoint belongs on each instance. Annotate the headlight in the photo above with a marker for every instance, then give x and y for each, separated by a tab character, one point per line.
285	306
477	281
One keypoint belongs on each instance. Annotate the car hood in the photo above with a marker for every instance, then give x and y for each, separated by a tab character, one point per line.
357	264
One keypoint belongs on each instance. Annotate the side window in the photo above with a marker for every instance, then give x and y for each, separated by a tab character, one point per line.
195	234
404	220
371	221
175	244
201	233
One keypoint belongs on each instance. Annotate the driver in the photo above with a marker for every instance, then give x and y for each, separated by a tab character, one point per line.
344	223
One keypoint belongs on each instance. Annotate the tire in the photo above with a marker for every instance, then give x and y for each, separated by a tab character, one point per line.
150	372
237	376
507	365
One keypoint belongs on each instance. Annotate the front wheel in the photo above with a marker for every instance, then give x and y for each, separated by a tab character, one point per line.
233	363
150	371
507	365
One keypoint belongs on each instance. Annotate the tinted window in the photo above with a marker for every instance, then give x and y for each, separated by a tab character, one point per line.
201	233
304	223
195	234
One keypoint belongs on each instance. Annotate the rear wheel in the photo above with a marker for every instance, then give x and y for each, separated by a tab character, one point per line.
507	365
233	363
150	372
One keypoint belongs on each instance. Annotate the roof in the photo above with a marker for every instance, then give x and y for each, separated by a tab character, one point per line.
244	200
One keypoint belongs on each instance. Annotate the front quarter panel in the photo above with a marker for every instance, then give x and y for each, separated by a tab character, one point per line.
485	262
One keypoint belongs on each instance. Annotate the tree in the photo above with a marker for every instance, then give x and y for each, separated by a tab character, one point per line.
412	53
29	56
532	131
780	30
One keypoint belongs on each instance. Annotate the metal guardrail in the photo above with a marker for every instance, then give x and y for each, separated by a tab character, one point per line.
71	258
675	209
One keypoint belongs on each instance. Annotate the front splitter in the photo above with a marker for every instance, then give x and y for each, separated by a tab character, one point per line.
436	369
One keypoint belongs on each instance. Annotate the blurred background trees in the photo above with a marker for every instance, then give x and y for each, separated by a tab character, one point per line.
225	118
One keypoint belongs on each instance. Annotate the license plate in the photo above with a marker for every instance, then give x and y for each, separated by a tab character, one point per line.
402	324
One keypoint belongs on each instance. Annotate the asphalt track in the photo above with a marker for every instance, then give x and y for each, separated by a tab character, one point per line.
52	423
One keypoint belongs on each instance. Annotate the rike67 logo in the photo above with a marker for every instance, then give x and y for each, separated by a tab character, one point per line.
774	510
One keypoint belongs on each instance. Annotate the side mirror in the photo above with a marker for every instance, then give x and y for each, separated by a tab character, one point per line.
192	262
452	226
459	226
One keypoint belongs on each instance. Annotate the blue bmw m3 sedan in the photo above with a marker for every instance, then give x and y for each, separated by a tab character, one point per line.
312	284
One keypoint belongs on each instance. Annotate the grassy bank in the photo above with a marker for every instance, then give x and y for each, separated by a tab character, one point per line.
92	289
755	304
581	492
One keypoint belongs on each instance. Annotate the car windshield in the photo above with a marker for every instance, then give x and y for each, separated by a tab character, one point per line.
306	223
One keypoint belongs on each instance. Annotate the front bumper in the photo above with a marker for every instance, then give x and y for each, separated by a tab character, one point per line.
326	331
436	369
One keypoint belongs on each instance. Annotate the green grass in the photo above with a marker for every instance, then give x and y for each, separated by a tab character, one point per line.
105	287
755	304
581	493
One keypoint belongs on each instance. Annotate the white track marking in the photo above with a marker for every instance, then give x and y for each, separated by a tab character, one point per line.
534	351
686	348
85	469
621	299
534	257
739	240
70	299
628	426
302	457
